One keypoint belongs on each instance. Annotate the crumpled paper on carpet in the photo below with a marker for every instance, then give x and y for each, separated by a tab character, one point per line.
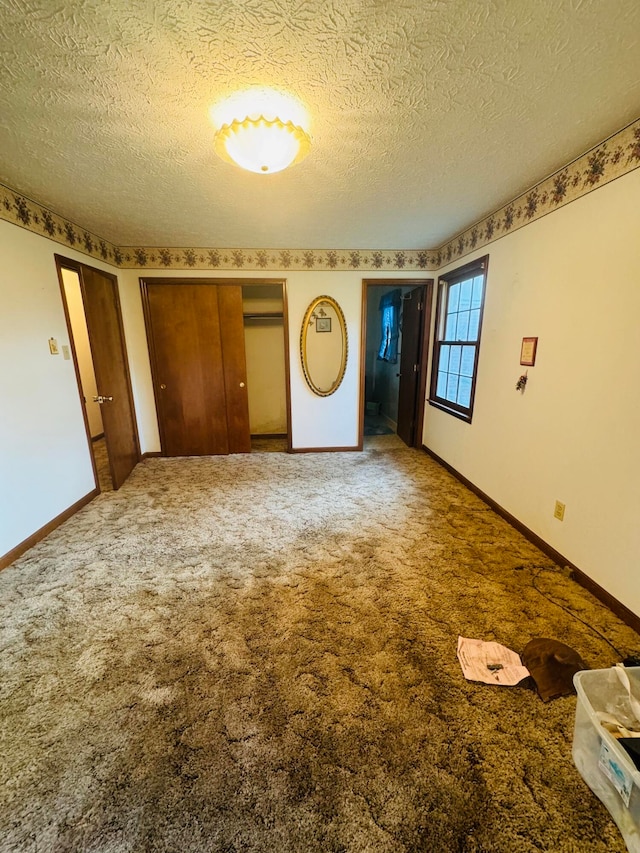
490	663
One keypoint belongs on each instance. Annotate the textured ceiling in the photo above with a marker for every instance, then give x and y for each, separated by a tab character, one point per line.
426	114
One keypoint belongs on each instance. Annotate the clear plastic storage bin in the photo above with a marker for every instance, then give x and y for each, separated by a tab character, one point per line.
604	764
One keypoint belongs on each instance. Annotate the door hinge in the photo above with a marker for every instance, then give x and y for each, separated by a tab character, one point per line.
416	368
419	306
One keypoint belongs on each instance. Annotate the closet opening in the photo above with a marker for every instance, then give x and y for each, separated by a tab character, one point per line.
219	363
263	311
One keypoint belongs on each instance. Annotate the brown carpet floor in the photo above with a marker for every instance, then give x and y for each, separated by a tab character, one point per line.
258	653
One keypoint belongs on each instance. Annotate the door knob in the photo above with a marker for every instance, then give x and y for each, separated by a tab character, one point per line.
162	386
242	384
100	399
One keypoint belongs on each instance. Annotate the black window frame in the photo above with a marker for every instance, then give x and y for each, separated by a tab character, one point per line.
471	270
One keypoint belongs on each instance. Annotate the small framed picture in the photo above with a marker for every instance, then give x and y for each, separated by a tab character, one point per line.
323	324
528	351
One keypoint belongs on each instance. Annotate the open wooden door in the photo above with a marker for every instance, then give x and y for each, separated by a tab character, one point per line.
412	320
196	341
109	363
108	351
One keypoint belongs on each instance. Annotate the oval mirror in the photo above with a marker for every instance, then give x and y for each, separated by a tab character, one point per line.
324	346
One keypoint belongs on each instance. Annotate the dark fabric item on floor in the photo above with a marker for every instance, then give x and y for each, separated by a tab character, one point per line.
552	665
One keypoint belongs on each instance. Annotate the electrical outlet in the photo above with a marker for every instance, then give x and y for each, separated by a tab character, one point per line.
559	511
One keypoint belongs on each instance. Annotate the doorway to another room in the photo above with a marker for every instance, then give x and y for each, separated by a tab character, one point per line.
396	325
96	336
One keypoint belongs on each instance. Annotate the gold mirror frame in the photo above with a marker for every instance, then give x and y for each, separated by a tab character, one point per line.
306	323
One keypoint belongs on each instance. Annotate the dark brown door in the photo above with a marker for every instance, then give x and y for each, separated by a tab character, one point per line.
410	360
196	338
109	355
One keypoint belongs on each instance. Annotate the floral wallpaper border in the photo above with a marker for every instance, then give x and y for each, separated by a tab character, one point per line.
29	214
607	161
279	259
602	164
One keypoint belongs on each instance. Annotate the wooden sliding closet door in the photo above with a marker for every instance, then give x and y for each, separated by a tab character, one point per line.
197	359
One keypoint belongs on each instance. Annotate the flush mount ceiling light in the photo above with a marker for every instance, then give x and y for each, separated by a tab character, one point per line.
261	130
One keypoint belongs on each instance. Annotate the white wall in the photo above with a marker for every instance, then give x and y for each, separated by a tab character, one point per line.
572	279
325	421
45	464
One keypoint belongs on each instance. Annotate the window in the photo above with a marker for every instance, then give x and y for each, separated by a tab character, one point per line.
457	338
390	308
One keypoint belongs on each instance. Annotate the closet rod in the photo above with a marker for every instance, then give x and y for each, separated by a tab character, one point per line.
273	315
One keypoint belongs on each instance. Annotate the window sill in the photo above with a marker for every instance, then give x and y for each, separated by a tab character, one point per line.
463	416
